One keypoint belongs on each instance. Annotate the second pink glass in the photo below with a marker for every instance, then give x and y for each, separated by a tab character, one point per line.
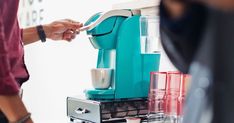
184	85
172	94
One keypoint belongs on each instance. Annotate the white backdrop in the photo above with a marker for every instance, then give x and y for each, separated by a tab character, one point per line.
59	69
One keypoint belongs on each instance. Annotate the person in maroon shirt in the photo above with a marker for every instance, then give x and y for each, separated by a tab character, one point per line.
13	72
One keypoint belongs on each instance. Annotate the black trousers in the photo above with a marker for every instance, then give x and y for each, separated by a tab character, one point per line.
3	119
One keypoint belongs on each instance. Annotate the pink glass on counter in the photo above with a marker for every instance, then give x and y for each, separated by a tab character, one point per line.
156	99
184	85
172	93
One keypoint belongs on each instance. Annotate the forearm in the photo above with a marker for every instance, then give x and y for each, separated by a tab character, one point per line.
30	34
13	107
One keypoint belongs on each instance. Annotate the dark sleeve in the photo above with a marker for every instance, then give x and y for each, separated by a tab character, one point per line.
180	38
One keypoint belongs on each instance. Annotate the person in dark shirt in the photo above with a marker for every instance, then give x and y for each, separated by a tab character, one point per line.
198	37
13	72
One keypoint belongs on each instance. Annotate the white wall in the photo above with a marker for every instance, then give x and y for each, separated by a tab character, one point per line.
60	69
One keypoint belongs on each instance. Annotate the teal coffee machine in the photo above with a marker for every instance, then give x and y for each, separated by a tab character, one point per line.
116	36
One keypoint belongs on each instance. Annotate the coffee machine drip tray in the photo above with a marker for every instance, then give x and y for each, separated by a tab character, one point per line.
105	110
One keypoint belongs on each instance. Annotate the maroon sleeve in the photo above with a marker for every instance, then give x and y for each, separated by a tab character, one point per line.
8	84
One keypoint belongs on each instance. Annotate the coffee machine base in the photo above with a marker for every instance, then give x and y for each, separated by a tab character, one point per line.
103	111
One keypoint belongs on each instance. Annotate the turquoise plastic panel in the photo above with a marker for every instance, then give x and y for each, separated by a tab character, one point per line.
104	27
149	59
92	19
107	40
132	70
104	59
128	65
100	94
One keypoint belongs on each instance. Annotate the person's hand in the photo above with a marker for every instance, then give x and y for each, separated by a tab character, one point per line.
62	30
